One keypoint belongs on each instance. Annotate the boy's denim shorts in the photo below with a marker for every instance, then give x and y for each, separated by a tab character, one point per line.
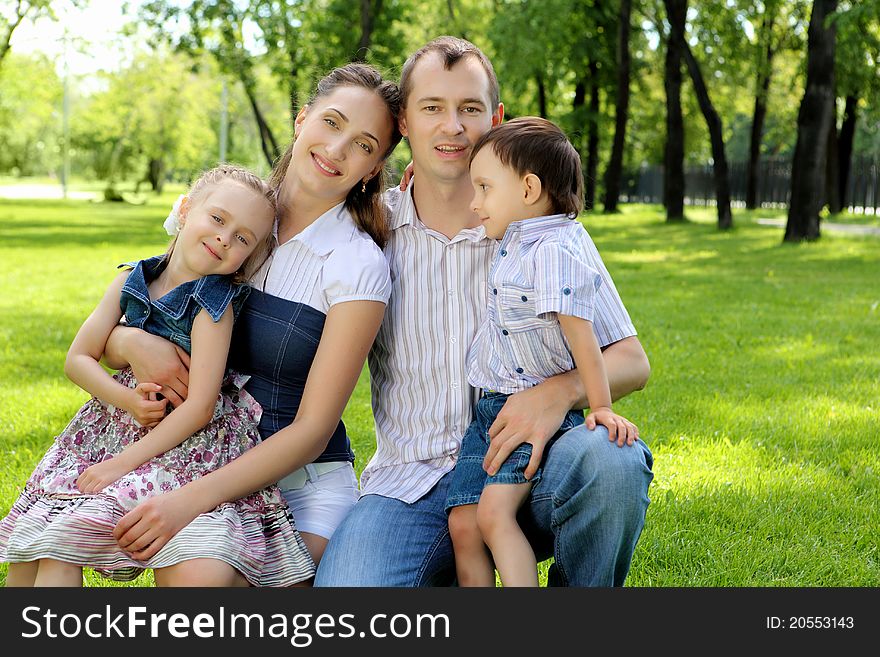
469	478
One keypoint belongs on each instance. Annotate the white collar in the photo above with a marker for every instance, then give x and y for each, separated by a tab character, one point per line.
327	232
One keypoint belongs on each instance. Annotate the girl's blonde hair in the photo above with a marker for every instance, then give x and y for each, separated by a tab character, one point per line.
217	175
363	201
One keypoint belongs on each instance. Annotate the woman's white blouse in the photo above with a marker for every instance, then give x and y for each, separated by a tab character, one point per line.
330	262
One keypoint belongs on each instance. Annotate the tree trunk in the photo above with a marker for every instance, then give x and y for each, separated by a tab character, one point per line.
716	136
832	198
814	121
845	147
156	174
592	138
542	96
615	165
673	178
6	38
267	139
368	24
765	71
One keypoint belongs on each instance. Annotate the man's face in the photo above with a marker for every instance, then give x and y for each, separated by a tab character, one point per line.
446	112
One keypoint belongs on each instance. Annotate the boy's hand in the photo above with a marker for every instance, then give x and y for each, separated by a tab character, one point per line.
619	428
101	475
145	407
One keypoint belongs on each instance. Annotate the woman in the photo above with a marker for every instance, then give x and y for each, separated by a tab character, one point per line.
304	334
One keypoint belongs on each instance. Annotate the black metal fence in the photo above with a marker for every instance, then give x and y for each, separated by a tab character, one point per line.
774	185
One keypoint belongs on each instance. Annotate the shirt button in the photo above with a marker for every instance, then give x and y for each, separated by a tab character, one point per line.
455	385
504	332
494	290
566	290
524	298
453	340
519	370
503	253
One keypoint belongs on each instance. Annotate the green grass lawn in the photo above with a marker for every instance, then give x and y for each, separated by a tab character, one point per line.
763	408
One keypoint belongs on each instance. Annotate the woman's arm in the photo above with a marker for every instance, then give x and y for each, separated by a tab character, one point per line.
151	358
348	333
210	343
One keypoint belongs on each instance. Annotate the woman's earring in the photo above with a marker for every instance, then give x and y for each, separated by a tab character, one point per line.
363	187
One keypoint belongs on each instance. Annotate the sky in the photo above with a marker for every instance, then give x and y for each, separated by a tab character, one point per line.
95	45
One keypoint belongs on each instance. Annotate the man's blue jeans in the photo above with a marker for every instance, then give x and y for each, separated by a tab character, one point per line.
588	512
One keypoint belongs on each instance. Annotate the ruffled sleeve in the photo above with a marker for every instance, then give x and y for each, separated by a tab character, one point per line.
564	283
214	293
356	271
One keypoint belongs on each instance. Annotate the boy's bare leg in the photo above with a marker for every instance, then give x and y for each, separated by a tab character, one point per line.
52	572
22	574
473	563
496	518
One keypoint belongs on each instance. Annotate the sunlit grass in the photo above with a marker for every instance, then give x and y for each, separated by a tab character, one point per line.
762	410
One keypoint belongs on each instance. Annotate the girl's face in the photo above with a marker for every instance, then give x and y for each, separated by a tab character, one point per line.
340	141
221	227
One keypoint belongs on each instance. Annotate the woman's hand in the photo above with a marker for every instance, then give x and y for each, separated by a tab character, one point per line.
145	530
151	359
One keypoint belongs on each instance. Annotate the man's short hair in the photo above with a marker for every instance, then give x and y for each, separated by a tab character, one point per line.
451	49
530	144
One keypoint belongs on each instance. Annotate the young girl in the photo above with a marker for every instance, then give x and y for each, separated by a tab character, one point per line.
304	333
124	446
543	295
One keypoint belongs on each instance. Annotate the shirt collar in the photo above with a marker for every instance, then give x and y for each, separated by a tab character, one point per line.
328	231
530	230
403	213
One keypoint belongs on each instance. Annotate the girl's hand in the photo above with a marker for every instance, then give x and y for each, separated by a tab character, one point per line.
619	428
145	405
101	475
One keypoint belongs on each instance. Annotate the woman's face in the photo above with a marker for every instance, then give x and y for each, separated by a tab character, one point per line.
340	140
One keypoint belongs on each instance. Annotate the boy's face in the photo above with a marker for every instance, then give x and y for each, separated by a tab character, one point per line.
446	112
500	194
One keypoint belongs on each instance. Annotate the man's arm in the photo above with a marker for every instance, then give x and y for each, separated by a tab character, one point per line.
535	415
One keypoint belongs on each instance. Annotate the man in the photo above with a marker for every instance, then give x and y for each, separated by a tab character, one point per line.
589	508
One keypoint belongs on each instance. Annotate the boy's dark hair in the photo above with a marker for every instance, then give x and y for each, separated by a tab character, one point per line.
451	49
530	144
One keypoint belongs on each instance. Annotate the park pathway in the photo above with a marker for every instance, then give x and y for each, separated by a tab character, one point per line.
853	229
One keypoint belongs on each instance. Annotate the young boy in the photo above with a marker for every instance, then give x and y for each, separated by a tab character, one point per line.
528	191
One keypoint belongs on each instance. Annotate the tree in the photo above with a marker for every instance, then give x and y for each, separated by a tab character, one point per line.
673	176
716	136
621	113
857	51
814	122
216	27
29	121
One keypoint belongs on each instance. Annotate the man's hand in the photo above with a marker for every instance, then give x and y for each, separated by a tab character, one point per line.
407	176
147	528
97	477
145	406
619	428
532	416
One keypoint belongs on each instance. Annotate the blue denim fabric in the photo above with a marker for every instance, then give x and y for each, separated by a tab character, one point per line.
172	316
274	342
469	478
587	511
